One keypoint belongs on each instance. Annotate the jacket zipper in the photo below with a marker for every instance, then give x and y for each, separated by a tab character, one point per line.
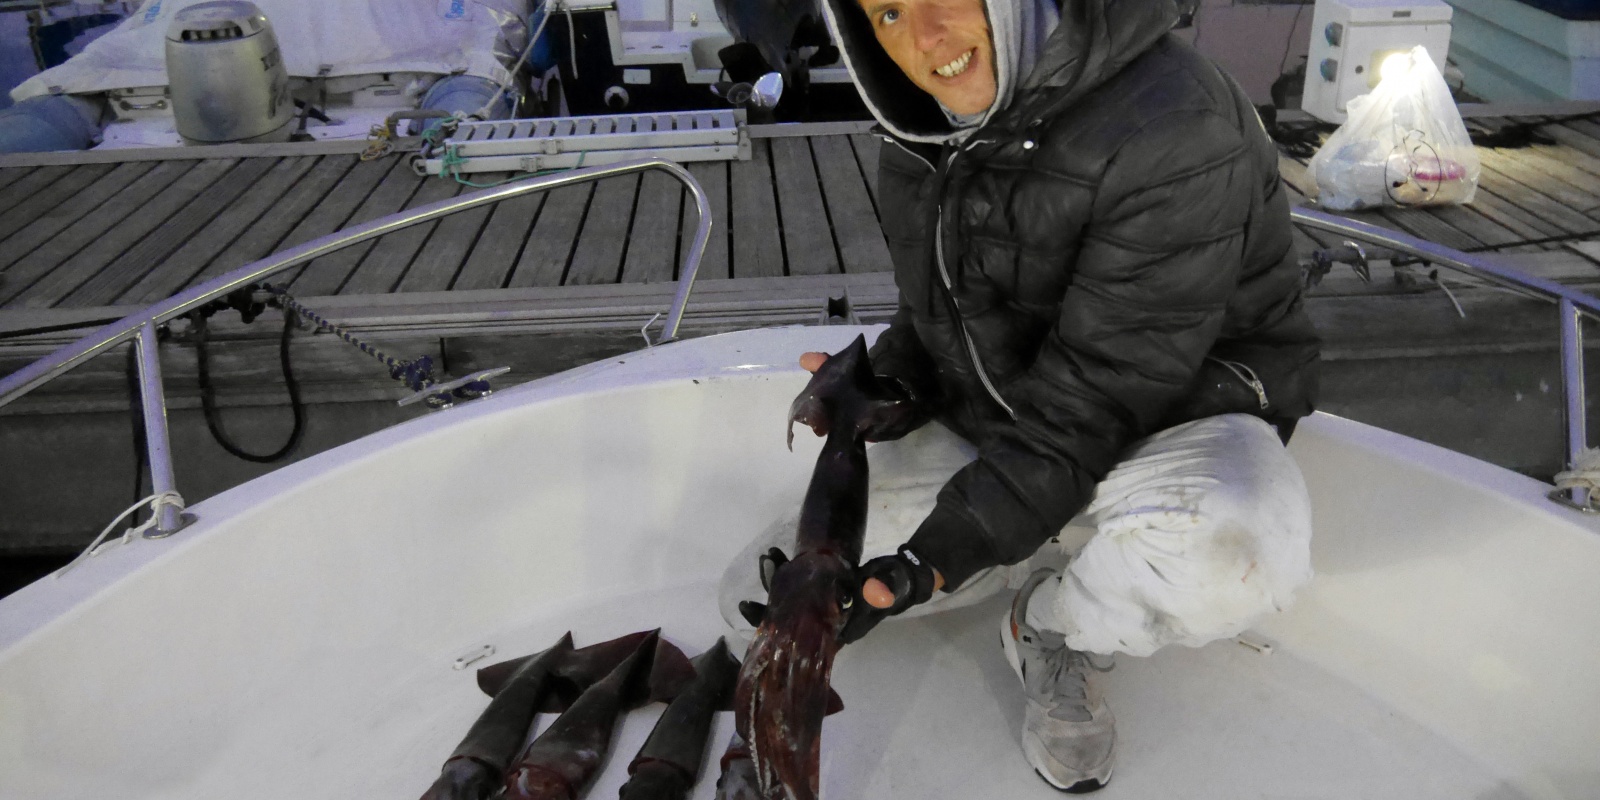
908	151
1240	370
1244	373
949	286
972	349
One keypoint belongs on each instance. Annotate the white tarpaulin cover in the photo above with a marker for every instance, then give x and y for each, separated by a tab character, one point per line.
349	37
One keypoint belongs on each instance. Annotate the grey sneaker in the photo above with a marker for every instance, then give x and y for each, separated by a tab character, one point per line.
1068	734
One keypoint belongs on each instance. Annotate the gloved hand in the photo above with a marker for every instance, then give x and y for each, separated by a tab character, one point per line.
903	413
909	581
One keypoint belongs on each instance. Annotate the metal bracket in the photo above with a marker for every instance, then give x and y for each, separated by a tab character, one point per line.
445	395
1348	252
1565	497
472	656
392	122
839	311
185	519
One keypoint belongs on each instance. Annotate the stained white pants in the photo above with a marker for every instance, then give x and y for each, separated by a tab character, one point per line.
1197	533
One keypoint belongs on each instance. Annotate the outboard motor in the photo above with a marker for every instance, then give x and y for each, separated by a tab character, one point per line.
783	36
226	75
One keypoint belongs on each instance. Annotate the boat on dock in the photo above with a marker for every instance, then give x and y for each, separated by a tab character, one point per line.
210	72
300	634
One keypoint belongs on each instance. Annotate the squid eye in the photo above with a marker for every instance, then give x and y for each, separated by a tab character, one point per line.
847	601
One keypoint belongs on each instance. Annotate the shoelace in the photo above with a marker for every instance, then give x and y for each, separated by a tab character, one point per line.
1066	672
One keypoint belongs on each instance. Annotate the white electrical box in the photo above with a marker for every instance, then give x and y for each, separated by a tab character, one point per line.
1351	38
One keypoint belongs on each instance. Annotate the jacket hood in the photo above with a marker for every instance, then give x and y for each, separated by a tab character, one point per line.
1094	40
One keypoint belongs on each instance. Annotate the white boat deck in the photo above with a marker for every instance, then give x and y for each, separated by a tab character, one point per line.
298	640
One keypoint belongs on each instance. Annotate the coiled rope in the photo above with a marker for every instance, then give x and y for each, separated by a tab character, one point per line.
248	310
1584	474
156	503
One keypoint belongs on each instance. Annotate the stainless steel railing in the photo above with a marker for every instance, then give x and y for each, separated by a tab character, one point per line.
142	326
1572	306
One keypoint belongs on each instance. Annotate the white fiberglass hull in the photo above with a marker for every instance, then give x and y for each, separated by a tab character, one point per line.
298	640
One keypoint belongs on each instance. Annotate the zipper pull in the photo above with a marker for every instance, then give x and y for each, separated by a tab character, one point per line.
1261	393
1244	373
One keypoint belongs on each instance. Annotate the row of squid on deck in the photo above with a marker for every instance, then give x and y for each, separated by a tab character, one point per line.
591	688
779	695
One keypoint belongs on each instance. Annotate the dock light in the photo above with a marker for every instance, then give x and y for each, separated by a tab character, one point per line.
1394	66
1354	43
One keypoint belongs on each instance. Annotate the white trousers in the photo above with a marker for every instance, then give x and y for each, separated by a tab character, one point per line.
1197	533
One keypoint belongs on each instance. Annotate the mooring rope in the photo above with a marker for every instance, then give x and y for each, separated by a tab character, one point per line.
156	502
416	375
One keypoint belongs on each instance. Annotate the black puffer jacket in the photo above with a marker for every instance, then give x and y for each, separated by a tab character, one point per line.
1108	256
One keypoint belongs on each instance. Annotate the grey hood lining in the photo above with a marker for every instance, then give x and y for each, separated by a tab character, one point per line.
1094	40
917	117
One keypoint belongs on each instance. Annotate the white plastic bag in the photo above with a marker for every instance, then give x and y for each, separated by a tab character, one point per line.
1401	144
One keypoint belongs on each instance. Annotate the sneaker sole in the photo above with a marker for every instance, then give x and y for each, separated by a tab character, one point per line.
1081	787
1009	648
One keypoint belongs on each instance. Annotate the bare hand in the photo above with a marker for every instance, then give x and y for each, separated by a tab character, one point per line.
811	362
877	593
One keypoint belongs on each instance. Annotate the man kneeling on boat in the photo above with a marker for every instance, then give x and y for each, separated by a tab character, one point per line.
1100	303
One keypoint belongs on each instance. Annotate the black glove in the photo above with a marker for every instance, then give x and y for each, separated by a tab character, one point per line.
908	577
911	415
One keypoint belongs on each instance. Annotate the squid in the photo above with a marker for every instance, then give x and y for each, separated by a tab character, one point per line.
545	681
669	761
783	689
567	756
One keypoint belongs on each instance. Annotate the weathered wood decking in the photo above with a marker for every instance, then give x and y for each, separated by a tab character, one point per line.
575	273
102	235
94	239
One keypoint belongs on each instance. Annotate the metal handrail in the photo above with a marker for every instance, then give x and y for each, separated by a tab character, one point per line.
1573	305
32	376
141	327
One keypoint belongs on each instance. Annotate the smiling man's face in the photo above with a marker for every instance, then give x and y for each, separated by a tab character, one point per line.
942	45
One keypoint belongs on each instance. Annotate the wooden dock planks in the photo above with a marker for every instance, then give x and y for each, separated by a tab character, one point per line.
103	255
190	260
184	224
27	184
390	256
12	175
855	226
27	207
279	227
653	243
43	228
807	232
474	249
101	234
88	230
553	238
756	250
326	274
713	178
332	209
603	239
